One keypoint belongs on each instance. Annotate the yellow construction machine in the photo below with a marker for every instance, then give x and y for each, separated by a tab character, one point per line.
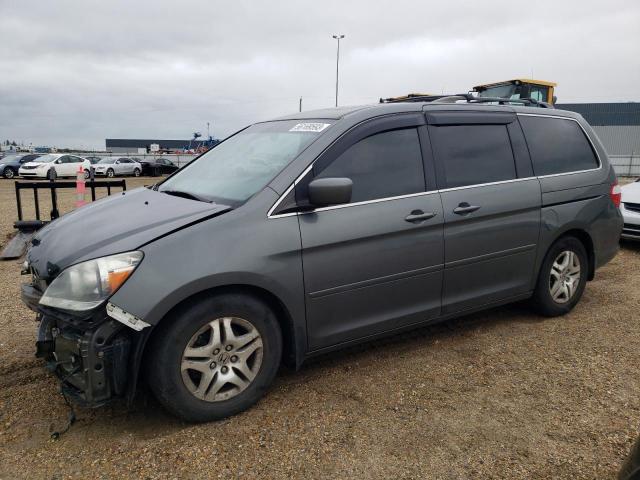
539	90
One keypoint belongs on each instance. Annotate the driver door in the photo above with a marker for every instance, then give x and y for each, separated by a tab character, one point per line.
375	264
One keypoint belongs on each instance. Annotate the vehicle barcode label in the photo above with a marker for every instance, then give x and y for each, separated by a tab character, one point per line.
309	127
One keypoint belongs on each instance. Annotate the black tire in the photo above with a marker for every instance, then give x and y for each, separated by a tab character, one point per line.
87	174
8	173
136	172
111	173
542	300
163	364
52	175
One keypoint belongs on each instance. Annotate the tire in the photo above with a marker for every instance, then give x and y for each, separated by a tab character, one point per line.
87	174
52	174
8	173
110	173
186	392
570	286
136	172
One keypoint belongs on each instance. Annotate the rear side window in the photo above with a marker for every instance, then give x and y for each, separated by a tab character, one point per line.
557	145
387	164
473	154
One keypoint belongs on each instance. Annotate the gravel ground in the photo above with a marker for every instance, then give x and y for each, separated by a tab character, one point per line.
500	394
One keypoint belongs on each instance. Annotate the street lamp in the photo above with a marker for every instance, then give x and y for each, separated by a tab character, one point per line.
337	37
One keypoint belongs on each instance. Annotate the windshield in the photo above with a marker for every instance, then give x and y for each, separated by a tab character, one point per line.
107	160
501	91
45	159
10	158
240	166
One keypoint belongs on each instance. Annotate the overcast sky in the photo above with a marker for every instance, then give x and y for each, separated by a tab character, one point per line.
73	73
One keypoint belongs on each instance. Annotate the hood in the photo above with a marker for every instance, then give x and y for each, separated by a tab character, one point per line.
115	224
631	192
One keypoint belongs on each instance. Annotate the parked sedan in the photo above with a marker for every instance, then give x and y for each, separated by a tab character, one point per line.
158	166
630	208
112	166
10	164
53	165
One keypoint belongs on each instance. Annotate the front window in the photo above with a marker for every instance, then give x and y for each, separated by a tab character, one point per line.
45	159
500	91
237	168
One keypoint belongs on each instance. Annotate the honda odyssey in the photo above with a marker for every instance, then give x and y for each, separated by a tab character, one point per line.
301	235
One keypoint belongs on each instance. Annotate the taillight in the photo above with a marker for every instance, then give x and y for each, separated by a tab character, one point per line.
615	193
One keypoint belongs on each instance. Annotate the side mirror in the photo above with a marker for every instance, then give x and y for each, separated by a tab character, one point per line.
330	191
58	161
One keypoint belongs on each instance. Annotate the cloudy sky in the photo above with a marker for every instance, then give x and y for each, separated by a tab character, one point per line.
74	72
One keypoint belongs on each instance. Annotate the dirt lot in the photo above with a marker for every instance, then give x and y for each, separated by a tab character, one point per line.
501	394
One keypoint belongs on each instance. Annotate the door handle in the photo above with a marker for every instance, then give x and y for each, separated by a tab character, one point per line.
464	208
417	216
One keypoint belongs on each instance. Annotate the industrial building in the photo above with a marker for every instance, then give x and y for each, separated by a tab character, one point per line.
616	124
140	146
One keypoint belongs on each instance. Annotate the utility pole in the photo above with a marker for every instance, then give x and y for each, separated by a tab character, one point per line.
208	135
300	106
338	38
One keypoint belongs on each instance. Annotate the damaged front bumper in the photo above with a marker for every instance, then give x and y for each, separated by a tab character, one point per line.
91	355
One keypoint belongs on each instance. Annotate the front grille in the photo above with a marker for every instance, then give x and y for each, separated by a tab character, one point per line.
634	207
630	229
29	167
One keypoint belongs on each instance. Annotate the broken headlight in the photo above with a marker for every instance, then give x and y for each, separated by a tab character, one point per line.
86	285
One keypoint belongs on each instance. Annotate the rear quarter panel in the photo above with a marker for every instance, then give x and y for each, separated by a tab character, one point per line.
581	201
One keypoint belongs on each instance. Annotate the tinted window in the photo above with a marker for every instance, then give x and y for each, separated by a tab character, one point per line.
383	165
474	154
557	145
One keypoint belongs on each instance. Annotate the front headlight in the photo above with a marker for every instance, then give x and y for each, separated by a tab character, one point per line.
86	285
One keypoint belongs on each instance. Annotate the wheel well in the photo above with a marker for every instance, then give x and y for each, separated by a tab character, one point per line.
281	312
587	242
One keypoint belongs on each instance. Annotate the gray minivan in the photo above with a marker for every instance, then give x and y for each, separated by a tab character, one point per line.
301	235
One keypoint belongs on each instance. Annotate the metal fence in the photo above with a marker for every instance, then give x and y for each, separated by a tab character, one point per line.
626	165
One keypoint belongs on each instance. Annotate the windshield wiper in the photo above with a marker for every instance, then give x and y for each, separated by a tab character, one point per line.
189	195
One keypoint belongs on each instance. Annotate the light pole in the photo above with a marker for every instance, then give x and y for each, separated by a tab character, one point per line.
337	37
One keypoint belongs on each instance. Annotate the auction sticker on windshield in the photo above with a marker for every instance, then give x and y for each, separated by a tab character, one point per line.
309	127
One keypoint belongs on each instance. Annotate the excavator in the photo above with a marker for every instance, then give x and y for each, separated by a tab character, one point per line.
518	90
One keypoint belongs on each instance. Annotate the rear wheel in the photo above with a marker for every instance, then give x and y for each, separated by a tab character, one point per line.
215	358
86	174
8	173
562	278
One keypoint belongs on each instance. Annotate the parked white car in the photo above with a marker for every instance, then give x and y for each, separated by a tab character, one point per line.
55	165
112	166
630	208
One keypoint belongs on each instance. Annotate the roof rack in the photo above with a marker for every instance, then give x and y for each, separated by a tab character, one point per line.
469	98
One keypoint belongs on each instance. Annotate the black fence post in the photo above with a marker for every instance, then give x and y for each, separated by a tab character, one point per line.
18	202
35	199
54	202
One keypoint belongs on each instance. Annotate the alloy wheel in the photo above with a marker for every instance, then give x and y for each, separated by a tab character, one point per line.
564	277
8	173
222	359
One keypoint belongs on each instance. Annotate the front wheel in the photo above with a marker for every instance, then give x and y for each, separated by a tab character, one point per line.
8	173
51	174
110	173
136	172
562	278
215	358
